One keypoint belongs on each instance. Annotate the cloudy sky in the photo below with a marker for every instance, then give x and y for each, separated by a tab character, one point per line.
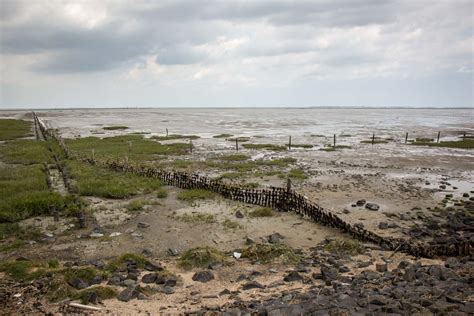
236	53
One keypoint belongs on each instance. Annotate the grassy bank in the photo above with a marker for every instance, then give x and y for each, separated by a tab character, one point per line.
12	129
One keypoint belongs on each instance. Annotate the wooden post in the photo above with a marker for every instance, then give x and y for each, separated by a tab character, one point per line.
236	144
289	144
373	139
166	132
288	185
93	154
191	146
56	214
334	140
439	133
463	135
406	138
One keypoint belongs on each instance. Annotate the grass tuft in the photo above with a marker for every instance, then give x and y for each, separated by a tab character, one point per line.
195	194
114	128
345	246
261	212
222	136
197	218
161	193
265	146
270	253
11	129
201	257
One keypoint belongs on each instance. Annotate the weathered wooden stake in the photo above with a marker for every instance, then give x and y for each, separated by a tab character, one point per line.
166	132
56	214
439	133
289	144
237	144
93	155
288	185
334	140
464	135
191	146
406	138
373	139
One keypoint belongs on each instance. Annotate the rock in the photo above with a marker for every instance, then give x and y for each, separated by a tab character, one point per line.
239	214
237	255
96	280
465	195
203	276
360	202
403	264
129	282
364	264
275	238
293	276
372	206
302	268
345	211
138	235
171	281
48	235
78	283
96	235
377	300
224	292
127	294
252	285
317	276
249	241
442	187
143	225
381	267
132	276
214	265
383	225
167	290
173	252
344	269
150	266
115	234
115	280
409	274
149	278
329	273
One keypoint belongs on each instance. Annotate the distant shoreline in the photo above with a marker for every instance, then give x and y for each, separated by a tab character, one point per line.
245	108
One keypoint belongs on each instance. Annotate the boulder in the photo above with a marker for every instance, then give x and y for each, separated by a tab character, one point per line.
293	276
329	273
372	207
127	294
239	214
149	278
203	276
360	202
252	285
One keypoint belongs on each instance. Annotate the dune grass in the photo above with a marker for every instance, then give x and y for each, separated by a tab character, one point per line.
201	257
175	136
297	173
222	136
261	212
270	253
12	129
332	148
265	146
460	144
94	181
195	194
300	146
115	128
25	151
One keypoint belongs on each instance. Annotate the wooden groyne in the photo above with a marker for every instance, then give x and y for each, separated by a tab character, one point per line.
282	199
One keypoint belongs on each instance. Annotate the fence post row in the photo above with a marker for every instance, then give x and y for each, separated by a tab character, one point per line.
284	199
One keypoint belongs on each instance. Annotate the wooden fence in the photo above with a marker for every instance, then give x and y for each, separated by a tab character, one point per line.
282	199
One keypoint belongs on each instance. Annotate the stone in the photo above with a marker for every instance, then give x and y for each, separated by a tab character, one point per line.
132	276
171	281
360	202
302	268
96	280
377	300
167	290
381	267
249	241
344	269
173	252
329	273
115	280
203	276
465	195
96	235
252	285
224	292
409	274
275	238
383	225
115	234
138	235
372	207
78	283
150	266
214	265
143	225
239	214
345	211
129	282
293	276
149	278
127	294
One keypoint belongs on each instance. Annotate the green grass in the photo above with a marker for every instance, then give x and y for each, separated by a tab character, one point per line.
175	136
19	234
161	193
201	257
230	224
270	253
135	206
102	293
261	212
298	174
461	144
114	128
376	141
94	181
265	146
25	151
195	218
301	146
232	175
120	263
135	147
23	269
345	246
222	136
11	129
235	157
195	194
86	274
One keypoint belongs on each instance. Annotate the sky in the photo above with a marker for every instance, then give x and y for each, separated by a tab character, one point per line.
210	53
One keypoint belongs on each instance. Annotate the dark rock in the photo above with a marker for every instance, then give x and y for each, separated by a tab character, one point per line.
143	225
409	275
224	292
364	264
78	283
360	202
149	278
302	268
160	279
344	269
249	241
293	276
465	195
239	214
132	276
167	290
241	278
127	294
329	273
171	281
317	276
377	300
345	211
203	276
214	265
381	267
403	264
372	206
252	285
256	273
173	252
115	280
96	280
275	238
150	266
383	225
